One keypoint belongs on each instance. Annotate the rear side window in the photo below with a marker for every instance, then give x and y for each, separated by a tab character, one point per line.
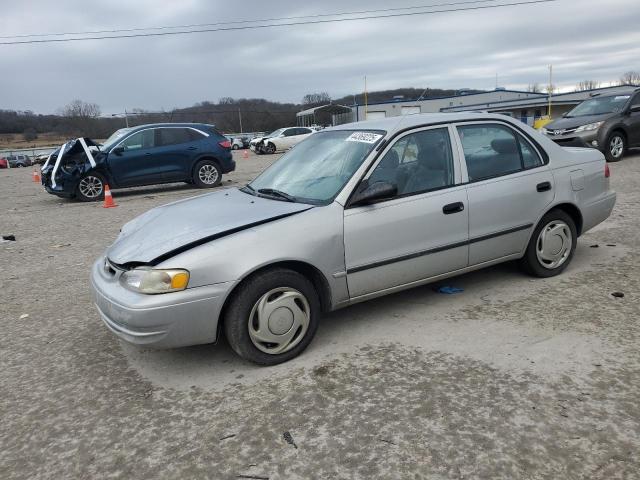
174	136
495	150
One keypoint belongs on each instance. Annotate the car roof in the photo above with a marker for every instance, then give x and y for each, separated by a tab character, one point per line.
394	124
184	125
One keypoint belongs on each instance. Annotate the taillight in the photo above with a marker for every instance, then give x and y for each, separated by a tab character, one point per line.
225	144
607	173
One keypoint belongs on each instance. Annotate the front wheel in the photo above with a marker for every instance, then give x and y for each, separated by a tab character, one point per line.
235	147
207	174
270	148
552	245
273	317
90	187
615	147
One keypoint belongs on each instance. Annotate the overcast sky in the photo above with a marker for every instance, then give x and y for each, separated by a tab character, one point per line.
583	39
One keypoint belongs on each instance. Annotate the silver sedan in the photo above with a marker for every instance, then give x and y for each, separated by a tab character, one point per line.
353	212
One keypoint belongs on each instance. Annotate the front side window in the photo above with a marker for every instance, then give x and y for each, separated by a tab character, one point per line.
138	141
319	167
418	162
495	150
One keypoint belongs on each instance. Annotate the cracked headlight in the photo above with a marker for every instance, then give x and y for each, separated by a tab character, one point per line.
153	281
589	127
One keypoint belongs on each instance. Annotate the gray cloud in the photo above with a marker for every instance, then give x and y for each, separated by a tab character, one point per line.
590	39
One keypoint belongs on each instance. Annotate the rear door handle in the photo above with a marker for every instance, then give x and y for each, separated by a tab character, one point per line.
192	148
453	208
543	187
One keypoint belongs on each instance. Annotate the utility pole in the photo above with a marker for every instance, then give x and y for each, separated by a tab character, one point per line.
550	90
240	118
126	118
365	97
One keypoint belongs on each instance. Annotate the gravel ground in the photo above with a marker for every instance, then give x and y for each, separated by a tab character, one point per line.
514	378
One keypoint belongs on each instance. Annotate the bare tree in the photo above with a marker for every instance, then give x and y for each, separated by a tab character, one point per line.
534	88
631	77
550	89
80	109
315	99
587	85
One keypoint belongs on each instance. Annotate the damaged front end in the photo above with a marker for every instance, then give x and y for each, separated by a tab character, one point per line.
66	166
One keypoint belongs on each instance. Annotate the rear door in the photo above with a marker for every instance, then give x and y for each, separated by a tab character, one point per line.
135	165
176	147
420	233
509	188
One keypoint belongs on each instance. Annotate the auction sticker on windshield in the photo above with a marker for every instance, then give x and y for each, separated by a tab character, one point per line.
364	137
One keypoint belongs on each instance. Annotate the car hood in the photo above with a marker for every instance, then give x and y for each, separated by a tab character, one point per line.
573	122
170	229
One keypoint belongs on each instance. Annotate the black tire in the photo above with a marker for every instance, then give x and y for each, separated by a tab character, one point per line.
532	263
234	147
616	139
238	314
258	150
270	148
84	189
207	174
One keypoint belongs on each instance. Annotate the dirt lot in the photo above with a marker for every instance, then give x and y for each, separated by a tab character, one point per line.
514	378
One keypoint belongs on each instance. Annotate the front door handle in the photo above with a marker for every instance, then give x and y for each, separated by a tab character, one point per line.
453	208
543	187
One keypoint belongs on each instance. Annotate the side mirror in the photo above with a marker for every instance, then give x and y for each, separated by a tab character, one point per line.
118	150
635	108
376	191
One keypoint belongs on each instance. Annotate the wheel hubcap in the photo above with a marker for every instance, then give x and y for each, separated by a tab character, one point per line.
208	174
90	187
617	146
279	320
554	244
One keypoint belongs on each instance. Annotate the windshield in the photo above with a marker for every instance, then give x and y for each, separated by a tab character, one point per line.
114	138
275	133
599	106
319	167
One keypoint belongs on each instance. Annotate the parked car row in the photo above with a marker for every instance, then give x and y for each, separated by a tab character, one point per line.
15	161
143	155
280	140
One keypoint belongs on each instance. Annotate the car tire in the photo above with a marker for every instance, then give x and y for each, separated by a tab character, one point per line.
293	306
616	147
207	174
551	246
235	147
91	187
270	148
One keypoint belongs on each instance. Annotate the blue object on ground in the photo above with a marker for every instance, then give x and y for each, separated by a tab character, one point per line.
449	290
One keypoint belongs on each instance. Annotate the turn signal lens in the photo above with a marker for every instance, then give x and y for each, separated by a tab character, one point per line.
154	281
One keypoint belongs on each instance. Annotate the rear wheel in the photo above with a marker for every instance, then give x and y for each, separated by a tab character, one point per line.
552	245
273	317
616	147
207	174
235	147
90	187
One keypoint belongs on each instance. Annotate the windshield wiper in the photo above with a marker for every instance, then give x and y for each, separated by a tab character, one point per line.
248	189
277	193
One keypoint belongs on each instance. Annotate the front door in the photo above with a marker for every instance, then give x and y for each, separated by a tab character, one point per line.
420	233
135	164
509	189
632	122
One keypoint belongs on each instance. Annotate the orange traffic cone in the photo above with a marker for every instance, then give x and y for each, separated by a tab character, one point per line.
36	176
108	198
245	154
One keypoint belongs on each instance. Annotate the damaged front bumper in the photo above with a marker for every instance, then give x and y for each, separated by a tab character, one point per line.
177	319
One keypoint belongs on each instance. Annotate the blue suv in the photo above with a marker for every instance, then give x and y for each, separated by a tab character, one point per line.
145	155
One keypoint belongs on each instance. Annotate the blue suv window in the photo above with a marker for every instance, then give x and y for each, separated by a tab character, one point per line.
137	141
175	136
